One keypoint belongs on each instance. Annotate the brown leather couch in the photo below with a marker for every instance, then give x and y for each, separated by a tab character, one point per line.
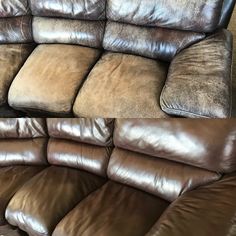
113	58
129	177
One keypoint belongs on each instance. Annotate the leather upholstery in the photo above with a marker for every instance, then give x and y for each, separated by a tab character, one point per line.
157	43
135	212
11	8
227	10
149	174
48	90
187	141
95	131
183	15
77	9
16	30
51	30
209	209
118	74
91	158
12	58
71	186
8	230
213	86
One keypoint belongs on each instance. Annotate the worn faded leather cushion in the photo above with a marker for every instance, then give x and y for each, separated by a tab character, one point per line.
16	30
12	178
122	85
195	15
165	179
209	210
97	131
8	230
205	143
51	30
199	79
91	158
51	77
12	58
10	8
113	210
78	9
58	190
22	128
157	43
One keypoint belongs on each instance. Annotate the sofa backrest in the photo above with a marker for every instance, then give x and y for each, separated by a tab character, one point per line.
23	141
227	10
15	22
80	143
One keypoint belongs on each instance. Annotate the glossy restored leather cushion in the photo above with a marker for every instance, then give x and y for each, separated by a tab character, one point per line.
95	131
8	230
12	178
16	30
165	179
51	30
156	43
184	14
227	10
10	8
112	210
58	190
205	211
91	158
22	128
12	57
199	79
50	78
205	143
122	85
23	152
78	9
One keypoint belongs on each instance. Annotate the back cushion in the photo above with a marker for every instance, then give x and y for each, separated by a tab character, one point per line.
11	8
23	141
83	21
80	143
209	144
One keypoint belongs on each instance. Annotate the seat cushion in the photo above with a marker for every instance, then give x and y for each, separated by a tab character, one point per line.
122	85
51	77
11	179
12	57
58	190
8	230
119	210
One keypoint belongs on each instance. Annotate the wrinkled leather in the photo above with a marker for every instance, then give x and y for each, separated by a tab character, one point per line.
91	158
12	57
77	9
10	8
199	79
119	210
208	144
205	211
111	88
23	152
39	87
16	30
95	131
165	179
12	178
181	14
227	10
22	128
7	230
70	186
86	33
156	43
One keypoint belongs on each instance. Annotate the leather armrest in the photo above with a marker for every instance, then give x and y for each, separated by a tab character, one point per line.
199	79
209	210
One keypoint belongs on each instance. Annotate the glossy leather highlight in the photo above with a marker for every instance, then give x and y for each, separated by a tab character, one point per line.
11	8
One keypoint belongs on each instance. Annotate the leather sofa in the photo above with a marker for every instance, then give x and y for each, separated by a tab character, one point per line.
129	177
113	58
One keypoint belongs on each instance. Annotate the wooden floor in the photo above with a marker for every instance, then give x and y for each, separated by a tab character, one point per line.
232	28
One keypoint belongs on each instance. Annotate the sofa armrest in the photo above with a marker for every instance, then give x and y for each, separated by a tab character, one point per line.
199	79
209	210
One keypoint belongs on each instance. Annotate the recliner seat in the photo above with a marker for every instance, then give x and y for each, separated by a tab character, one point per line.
157	177
126	59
